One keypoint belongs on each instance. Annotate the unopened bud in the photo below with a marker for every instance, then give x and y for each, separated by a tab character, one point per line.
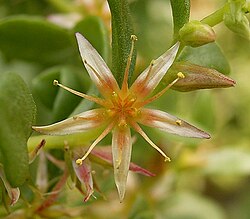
197	77
195	33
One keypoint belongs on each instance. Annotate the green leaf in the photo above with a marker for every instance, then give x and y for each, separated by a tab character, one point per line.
35	39
228	161
17	113
206	105
141	209
190	206
181	13
60	103
94	30
209	56
43	87
121	33
65	102
25	7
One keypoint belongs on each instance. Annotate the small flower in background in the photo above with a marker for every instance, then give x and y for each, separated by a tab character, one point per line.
122	109
81	175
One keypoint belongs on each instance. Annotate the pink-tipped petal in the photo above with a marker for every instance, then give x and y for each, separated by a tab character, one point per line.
137	169
83	173
79	123
96	67
121	150
149	79
166	122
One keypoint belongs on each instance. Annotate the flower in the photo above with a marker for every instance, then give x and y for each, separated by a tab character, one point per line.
122	108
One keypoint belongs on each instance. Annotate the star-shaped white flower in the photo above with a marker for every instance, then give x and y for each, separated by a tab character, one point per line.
123	108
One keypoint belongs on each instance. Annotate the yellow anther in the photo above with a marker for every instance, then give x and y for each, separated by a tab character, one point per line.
167	159
129	102
134	112
180	75
55	82
109	113
122	124
114	94
79	162
133	37
178	122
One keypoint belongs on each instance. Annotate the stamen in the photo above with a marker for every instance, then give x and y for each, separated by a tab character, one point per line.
122	123
129	101
104	133
91	98
116	100
125	79
143	134
180	75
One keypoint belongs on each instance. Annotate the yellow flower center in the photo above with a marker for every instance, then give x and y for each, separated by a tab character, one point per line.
122	109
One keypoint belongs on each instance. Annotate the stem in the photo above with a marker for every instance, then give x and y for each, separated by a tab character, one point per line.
215	18
74	140
121	32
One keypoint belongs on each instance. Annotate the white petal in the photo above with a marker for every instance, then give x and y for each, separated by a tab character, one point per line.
121	150
79	123
102	76
145	83
169	123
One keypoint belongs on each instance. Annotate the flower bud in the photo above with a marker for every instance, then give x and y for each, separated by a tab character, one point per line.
196	77
195	33
236	20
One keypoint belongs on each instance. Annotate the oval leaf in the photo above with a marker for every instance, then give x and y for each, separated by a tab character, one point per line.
43	87
34	39
17	113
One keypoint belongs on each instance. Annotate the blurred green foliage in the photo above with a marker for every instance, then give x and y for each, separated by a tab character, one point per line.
206	178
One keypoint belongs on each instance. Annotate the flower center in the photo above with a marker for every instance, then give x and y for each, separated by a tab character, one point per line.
123	109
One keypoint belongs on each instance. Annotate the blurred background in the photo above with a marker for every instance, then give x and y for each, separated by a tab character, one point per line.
206	178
